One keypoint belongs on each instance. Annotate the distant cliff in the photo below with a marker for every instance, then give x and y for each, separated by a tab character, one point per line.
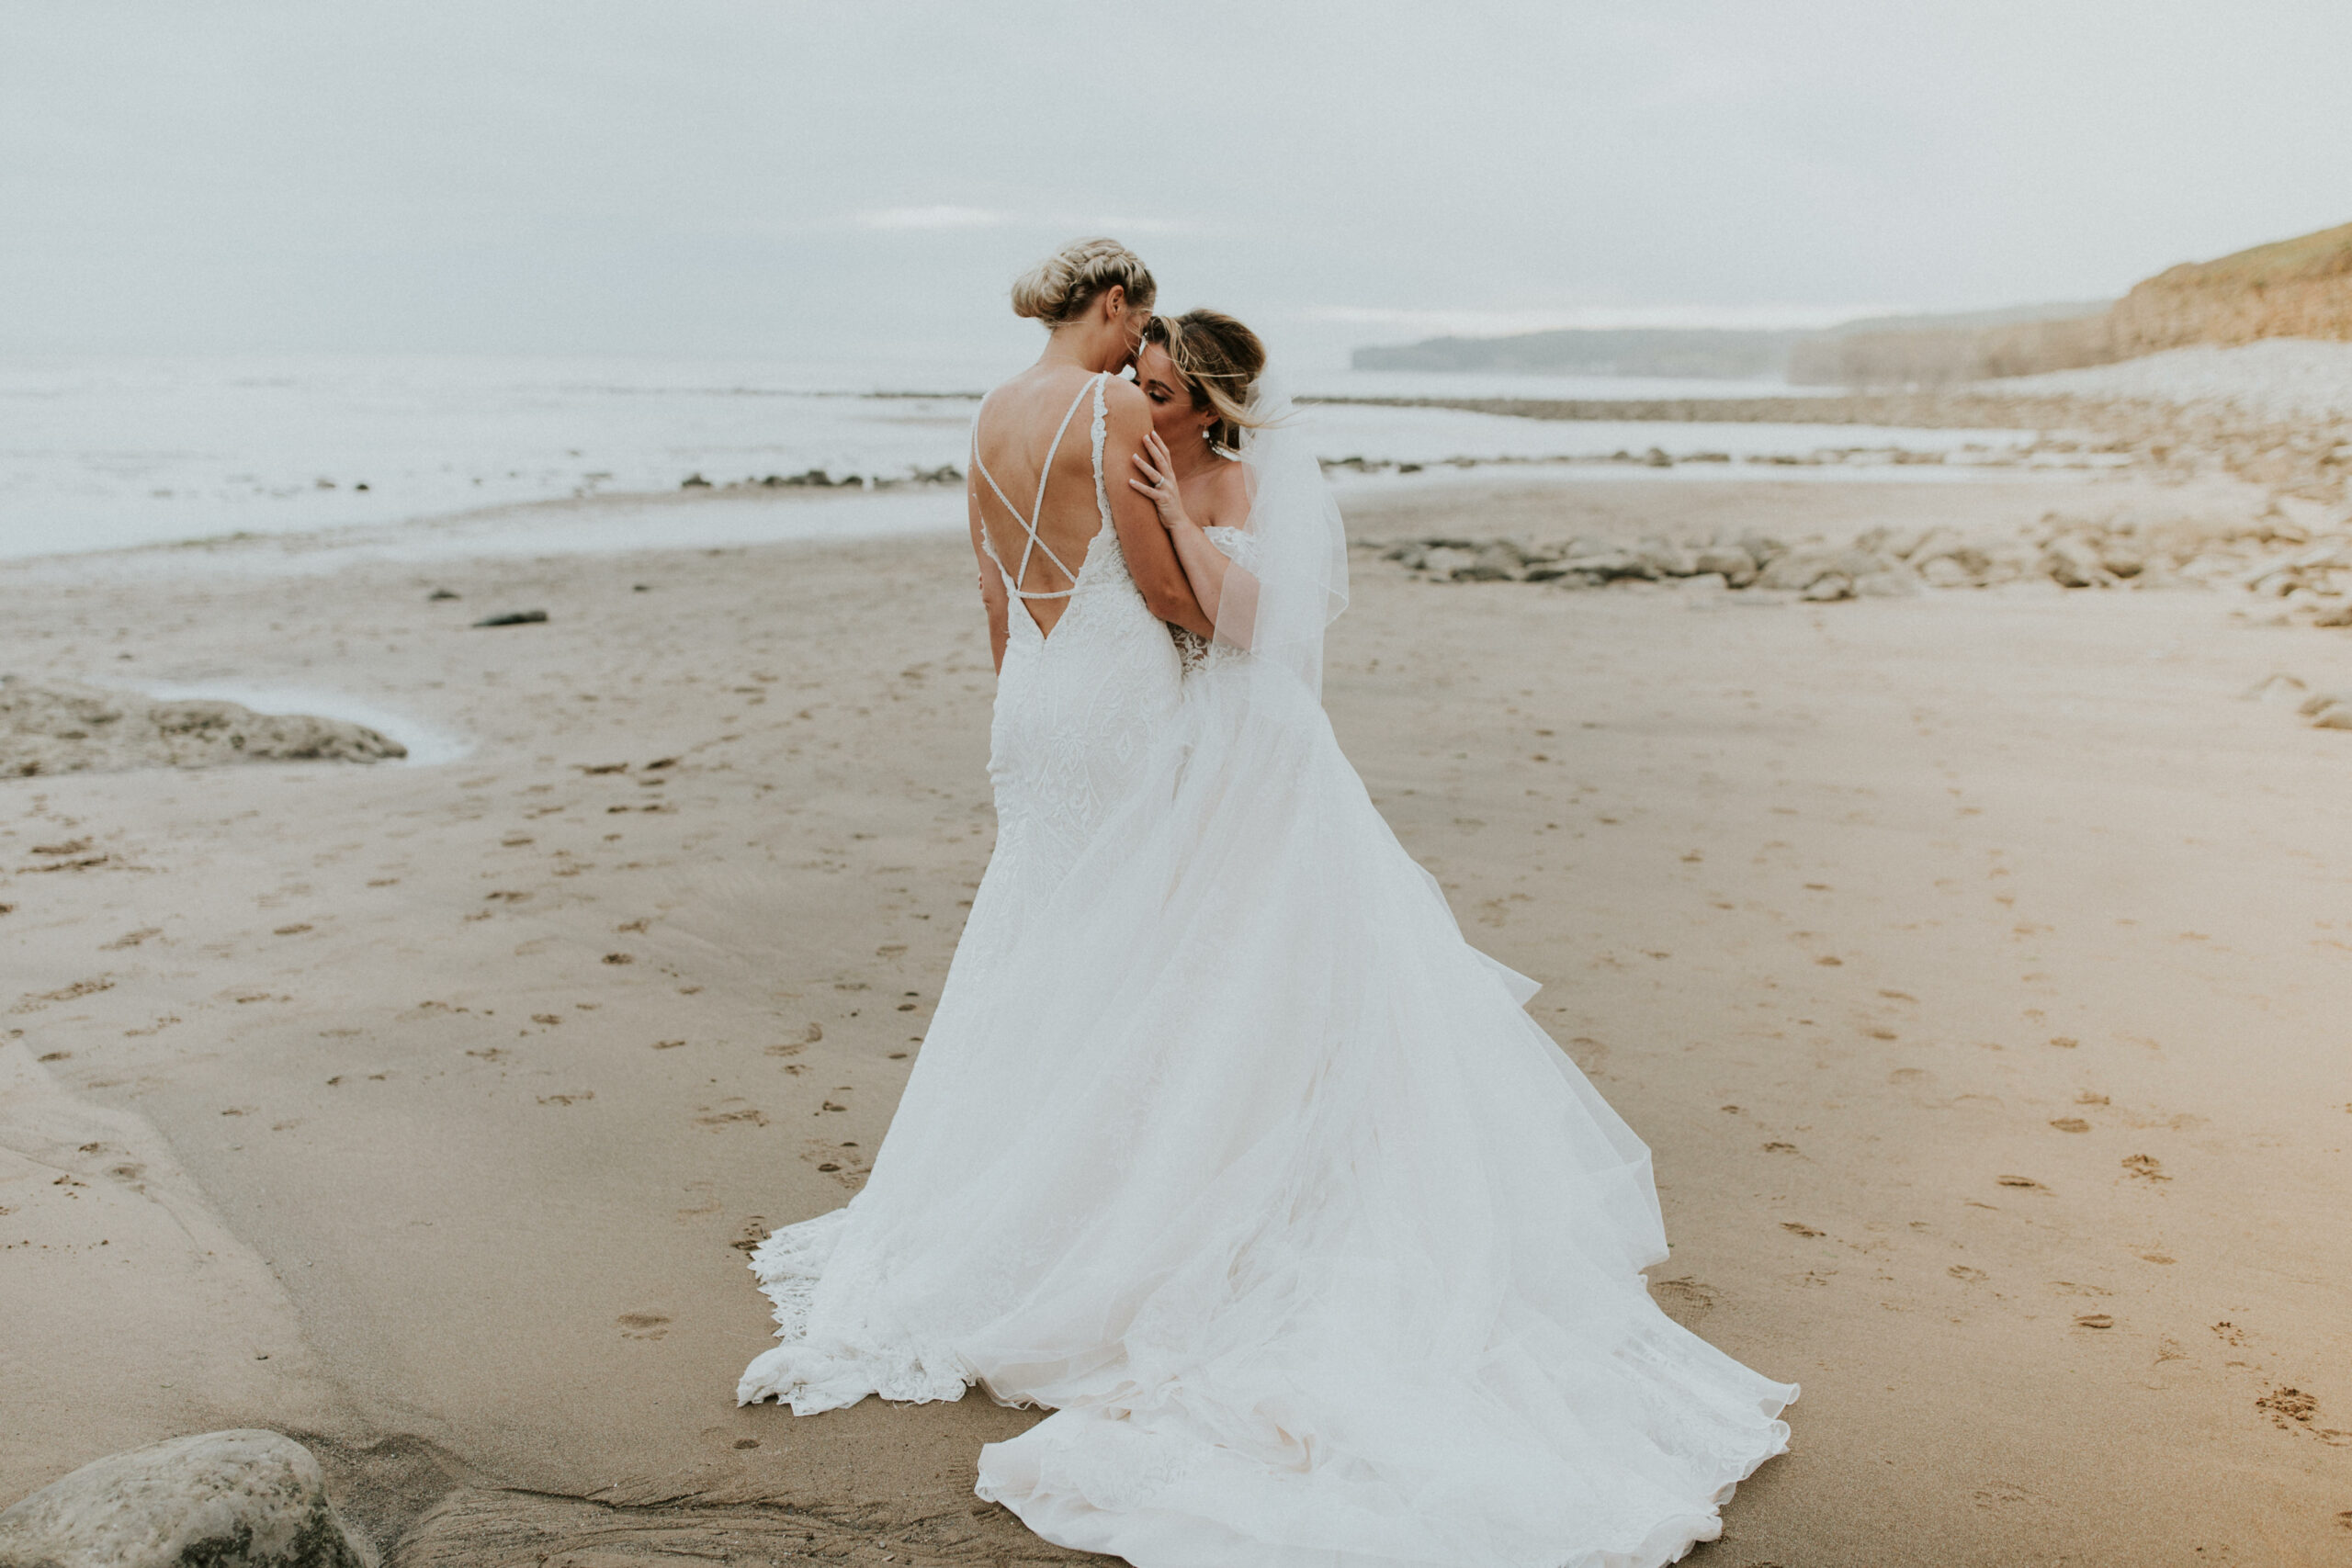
1894	354
2300	288
1702	354
1880	351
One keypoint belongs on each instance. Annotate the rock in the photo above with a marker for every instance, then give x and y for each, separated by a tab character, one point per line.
1943	571
2341	615
1497	560
2121	558
236	1499
1656	459
514	618
2321	702
2337	717
1733	565
1663	558
2073	561
1800	570
1886	585
61	726
1828	588
1445	560
438	594
1927	544
694	481
1607	565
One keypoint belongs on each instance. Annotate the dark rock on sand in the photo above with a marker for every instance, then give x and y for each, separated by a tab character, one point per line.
235	1499
514	618
61	726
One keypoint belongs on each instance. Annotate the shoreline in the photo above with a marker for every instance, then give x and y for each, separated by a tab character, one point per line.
741	516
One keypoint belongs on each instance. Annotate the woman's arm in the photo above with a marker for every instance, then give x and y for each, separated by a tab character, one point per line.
1207	568
1159	576
994	597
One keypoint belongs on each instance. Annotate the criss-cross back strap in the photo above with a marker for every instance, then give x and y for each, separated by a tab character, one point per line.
1029	524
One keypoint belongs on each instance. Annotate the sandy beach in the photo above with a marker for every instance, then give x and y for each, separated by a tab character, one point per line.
1973	962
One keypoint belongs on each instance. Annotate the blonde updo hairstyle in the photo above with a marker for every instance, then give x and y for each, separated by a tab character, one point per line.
1220	360
1057	291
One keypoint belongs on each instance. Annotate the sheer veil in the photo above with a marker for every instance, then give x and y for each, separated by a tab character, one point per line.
1296	580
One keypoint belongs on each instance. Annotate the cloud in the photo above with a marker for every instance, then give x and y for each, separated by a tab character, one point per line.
948	215
939	217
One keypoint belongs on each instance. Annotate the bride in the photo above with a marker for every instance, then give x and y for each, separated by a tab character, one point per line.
1223	1145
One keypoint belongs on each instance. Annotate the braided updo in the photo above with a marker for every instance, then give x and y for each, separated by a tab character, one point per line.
1058	289
1220	360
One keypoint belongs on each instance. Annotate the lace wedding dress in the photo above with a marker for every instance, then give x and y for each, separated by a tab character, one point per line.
1225	1147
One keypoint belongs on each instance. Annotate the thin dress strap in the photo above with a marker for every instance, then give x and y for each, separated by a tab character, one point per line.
1029	524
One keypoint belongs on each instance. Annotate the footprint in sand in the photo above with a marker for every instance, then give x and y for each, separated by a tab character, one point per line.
642	1324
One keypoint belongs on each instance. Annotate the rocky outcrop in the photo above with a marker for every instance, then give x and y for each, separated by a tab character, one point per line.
2298	553
61	726
236	1499
2300	288
2294	288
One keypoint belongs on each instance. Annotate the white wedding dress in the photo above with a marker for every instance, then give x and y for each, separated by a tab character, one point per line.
1225	1147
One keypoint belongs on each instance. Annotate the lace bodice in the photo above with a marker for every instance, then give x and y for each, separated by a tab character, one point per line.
1197	653
1075	710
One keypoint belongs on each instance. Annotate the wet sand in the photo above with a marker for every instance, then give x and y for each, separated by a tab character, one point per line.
1975	964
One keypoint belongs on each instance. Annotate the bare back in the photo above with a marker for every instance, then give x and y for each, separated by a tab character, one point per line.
1033	448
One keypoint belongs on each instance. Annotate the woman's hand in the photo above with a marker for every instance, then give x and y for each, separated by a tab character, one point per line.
1159	469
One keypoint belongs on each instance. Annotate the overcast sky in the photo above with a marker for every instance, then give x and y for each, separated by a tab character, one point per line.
855	182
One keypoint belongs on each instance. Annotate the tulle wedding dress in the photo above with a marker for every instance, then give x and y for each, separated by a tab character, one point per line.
1228	1149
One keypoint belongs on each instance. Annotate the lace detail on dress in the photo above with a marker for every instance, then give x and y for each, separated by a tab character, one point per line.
1194	651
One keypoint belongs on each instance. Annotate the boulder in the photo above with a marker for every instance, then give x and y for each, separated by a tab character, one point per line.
2121	558
1498	561
1886	585
1828	588
1733	565
1607	565
1800	570
2073	561
1663	558
236	1499
1446	561
2337	717
1944	572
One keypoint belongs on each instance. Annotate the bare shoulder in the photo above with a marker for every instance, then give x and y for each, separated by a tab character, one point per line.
1124	405
1230	495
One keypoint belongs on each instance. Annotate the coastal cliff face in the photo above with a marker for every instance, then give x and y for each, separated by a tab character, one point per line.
2300	289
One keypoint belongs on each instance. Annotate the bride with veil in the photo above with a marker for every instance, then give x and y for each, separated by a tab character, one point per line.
1223	1145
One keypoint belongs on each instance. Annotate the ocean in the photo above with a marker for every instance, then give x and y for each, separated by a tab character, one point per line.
107	454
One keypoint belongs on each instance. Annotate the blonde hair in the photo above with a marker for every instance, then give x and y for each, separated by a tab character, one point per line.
1220	360
1057	291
